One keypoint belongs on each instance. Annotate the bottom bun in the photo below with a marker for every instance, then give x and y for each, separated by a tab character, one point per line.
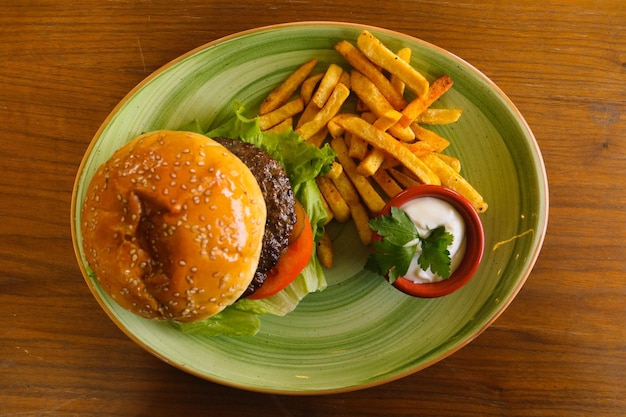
172	226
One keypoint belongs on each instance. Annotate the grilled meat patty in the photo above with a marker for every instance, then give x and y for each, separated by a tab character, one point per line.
279	199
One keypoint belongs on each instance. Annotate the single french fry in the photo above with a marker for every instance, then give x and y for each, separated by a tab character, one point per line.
334	129
325	251
379	54
370	95
361	221
369	117
282	126
281	113
421	103
329	213
403	179
368	194
358	212
420	148
309	112
331	108
432	116
335	170
405	55
371	163
454	162
327	84
357	147
452	179
308	86
345	79
386	183
318	138
386	121
390	145
281	94
405	134
390	162
436	142
334	198
362	64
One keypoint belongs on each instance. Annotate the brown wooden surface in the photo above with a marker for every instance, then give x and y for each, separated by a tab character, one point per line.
559	349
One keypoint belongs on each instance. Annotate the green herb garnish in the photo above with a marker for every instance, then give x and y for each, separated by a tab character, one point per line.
400	239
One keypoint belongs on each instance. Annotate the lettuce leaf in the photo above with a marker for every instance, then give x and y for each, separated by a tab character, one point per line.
303	163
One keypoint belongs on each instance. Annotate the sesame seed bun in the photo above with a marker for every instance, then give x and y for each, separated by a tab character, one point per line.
173	225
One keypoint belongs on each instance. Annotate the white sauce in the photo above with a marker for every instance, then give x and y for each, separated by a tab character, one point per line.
428	213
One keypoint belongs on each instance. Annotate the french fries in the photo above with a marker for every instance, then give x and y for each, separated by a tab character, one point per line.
327	85
285	90
421	103
368	194
339	94
387	143
333	197
378	137
362	64
379	54
281	113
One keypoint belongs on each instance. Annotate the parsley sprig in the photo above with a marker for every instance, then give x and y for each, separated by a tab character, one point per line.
400	238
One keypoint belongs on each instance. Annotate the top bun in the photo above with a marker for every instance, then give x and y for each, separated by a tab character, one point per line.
172	226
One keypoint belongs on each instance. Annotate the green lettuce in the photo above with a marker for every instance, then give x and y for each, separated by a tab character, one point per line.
302	163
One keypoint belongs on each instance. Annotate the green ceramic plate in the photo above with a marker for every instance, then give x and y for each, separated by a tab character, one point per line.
359	332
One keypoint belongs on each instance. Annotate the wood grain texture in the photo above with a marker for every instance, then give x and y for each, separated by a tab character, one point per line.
558	350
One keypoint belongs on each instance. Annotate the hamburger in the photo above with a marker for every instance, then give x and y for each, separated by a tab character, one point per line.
177	225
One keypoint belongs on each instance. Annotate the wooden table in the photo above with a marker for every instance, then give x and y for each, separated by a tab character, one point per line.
558	350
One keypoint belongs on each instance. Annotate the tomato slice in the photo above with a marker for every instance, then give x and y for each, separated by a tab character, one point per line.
290	264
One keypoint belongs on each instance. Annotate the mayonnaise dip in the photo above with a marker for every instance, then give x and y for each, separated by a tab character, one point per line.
427	214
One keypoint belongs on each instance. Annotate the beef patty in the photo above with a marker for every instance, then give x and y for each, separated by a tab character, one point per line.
279	199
